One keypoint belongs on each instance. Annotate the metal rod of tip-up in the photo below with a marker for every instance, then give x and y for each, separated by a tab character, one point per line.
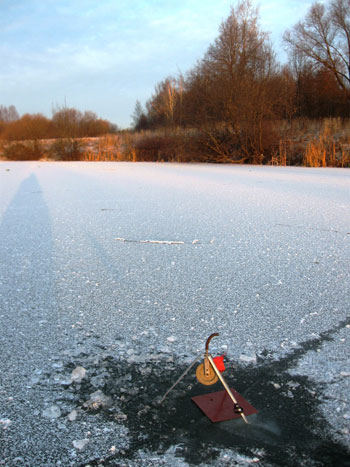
179	379
221	378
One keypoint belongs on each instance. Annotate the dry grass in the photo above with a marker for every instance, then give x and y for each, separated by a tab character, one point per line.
312	143
105	148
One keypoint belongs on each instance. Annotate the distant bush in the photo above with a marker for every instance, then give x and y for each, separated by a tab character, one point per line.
28	151
218	145
66	149
65	123
28	127
71	123
153	146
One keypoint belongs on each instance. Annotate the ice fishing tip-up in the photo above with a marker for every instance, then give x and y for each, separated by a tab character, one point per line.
222	405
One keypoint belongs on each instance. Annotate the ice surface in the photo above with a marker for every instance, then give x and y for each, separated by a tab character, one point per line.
270	273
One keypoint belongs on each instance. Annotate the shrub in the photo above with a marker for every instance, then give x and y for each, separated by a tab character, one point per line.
28	151
28	127
66	149
155	146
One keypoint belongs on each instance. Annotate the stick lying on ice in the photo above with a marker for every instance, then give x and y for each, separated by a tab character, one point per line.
161	242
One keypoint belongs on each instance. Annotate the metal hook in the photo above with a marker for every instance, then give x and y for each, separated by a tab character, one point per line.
208	341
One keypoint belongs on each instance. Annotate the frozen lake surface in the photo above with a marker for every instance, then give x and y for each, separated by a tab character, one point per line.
113	275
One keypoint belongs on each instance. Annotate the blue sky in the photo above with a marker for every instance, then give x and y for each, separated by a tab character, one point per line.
102	55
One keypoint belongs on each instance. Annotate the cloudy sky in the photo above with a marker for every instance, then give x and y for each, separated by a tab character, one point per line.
102	55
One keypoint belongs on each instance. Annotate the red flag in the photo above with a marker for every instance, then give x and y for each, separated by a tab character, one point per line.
219	363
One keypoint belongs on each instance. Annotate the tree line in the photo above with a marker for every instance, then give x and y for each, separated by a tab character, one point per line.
65	123
236	104
238	91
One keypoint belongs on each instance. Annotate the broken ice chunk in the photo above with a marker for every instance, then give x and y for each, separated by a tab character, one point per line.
5	422
171	339
248	358
52	412
120	417
80	443
78	374
293	385
98	399
72	416
276	385
34	380
98	381
57	365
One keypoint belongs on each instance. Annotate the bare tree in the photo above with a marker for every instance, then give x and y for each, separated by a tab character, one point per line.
91	125
8	114
323	38
238	68
162	105
139	118
66	122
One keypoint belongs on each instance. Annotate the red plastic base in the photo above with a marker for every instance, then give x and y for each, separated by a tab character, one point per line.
218	406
